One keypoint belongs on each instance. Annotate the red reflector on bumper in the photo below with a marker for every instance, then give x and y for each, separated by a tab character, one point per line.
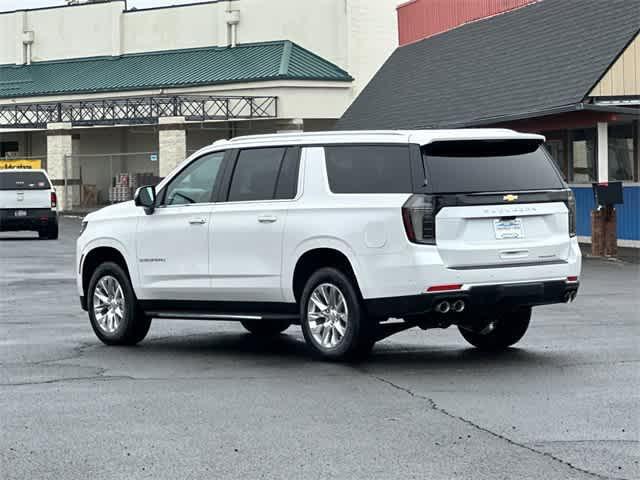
572	279
444	288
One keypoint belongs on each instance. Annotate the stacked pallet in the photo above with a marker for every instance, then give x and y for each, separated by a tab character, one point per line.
125	185
122	191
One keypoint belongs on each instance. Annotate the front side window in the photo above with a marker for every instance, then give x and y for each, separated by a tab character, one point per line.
256	174
369	168
196	182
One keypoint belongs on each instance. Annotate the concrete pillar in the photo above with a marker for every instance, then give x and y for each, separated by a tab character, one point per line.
603	152
63	168
172	143
294	125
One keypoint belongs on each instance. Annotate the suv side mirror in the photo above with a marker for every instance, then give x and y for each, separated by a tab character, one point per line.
146	197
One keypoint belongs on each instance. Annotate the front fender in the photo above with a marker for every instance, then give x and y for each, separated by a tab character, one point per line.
108	242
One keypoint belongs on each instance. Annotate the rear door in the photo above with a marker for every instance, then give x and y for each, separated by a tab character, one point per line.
24	190
500	203
248	222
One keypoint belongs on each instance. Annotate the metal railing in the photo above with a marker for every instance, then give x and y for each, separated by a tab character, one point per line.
137	110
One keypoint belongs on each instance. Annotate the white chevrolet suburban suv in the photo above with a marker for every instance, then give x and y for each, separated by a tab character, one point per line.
352	235
28	202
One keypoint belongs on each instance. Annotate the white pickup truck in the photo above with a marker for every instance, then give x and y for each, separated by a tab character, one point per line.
28	202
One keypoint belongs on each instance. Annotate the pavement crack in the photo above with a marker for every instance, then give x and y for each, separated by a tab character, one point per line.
434	406
68	379
76	352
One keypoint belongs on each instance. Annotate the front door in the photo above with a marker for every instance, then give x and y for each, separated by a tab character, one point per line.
173	242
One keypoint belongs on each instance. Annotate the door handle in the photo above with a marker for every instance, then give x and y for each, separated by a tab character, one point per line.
267	219
507	254
197	221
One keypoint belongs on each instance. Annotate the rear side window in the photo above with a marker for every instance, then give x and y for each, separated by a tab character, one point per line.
265	174
489	166
368	168
24	180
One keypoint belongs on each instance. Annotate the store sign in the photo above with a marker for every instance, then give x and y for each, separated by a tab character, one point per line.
20	163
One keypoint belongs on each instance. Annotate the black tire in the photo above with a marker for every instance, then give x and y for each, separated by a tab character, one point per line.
510	327
266	328
50	233
358	338
134	324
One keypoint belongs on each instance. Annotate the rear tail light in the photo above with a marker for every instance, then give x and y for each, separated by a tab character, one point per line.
418	216
571	206
54	200
572	278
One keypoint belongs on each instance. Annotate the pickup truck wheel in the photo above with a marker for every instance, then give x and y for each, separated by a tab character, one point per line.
333	321
506	329
115	316
266	328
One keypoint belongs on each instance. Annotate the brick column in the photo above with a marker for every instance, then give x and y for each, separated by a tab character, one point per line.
604	241
172	141
61	165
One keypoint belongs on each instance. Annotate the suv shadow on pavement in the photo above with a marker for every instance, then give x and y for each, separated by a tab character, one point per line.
240	347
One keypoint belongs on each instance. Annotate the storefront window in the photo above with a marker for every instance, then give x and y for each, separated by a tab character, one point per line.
621	154
583	145
555	147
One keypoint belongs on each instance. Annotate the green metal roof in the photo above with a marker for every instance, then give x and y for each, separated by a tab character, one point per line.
281	60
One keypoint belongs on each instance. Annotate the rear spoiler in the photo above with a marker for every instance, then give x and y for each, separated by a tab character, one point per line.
424	138
482	148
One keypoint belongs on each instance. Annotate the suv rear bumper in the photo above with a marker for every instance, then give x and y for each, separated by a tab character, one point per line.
481	296
35	219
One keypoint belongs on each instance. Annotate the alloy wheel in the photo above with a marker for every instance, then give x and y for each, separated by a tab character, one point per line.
108	304
327	315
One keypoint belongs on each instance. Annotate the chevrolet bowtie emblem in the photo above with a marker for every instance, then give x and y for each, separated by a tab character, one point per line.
510	198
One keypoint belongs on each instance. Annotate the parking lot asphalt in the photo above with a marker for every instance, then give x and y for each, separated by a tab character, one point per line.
203	400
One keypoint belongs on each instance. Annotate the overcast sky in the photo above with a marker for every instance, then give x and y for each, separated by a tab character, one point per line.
8	5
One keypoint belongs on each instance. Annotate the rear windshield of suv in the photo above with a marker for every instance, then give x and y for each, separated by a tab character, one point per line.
489	166
23	180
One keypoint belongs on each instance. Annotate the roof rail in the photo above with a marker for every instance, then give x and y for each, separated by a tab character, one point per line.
317	134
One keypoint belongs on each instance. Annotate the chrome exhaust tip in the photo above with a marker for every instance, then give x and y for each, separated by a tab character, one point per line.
567	297
574	294
458	306
443	307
